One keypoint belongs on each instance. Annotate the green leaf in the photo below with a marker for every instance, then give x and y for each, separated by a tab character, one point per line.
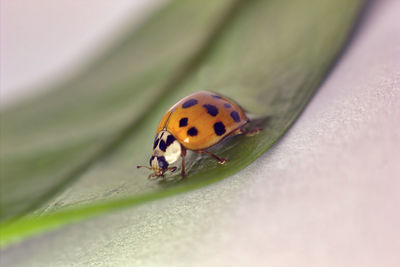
72	154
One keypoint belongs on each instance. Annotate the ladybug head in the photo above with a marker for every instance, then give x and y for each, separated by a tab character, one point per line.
166	150
159	166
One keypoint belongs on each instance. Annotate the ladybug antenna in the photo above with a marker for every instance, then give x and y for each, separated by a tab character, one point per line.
144	167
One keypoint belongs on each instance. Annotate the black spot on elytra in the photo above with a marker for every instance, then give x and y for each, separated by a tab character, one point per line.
192	131
219	128
183	122
162	145
151	159
170	139
162	163
235	116
156	143
189	103
217	96
227	105
211	109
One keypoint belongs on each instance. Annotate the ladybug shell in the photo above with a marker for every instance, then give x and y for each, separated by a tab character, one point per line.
202	119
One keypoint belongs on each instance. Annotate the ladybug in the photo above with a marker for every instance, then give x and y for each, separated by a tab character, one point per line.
196	123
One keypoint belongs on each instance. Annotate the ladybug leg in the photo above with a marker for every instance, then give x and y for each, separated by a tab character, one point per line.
220	160
238	131
172	169
183	154
246	132
253	132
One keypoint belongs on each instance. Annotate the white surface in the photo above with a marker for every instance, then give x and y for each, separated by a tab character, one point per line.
42	41
327	194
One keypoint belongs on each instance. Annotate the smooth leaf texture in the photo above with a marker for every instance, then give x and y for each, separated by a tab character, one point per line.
270	56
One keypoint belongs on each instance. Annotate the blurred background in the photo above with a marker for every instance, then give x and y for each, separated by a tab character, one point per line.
44	41
326	194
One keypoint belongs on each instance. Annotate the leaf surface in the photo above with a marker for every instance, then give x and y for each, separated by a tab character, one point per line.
82	142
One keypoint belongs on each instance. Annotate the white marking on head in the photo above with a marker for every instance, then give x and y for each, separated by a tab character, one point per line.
173	152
